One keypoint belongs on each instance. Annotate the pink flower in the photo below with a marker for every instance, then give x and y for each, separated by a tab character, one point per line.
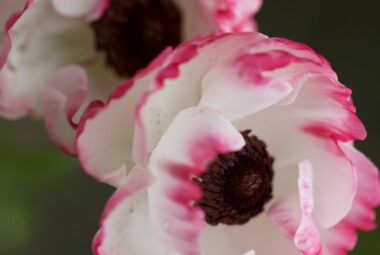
59	55
243	144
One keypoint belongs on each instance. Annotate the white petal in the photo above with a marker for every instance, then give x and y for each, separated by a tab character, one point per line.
178	85
125	224
232	16
259	234
105	138
342	238
231	91
294	218
67	95
192	141
283	129
42	42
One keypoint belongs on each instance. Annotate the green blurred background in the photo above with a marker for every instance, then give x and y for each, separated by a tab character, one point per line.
49	206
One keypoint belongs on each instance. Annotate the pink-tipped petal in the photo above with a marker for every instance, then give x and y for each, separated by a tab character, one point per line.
67	94
313	101
342	238
310	125
105	137
39	42
125	225
201	17
10	22
242	79
233	15
172	83
260	73
192	77
368	193
11	106
191	142
63	96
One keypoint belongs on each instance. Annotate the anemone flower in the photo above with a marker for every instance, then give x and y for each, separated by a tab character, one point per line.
58	55
243	144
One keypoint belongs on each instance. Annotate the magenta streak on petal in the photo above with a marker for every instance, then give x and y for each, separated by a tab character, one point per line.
342	94
183	190
252	66
179	57
302	47
327	130
307	237
233	15
280	215
180	172
351	128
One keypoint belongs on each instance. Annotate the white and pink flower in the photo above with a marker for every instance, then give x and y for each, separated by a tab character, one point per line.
197	103
54	58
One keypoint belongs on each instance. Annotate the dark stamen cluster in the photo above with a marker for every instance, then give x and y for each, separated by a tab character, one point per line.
237	185
133	32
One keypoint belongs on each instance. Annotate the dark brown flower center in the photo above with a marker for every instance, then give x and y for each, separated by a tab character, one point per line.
237	185
133	32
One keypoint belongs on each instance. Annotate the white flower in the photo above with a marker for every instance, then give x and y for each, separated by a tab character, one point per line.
212	186
59	55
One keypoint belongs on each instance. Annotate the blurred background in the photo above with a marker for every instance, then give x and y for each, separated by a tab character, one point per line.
49	206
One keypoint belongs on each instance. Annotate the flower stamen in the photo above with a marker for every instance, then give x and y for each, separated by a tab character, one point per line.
237	185
133	32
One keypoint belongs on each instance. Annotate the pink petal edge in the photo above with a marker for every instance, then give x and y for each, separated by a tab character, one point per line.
65	92
342	238
97	108
17	107
138	180
233	15
178	223
7	44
